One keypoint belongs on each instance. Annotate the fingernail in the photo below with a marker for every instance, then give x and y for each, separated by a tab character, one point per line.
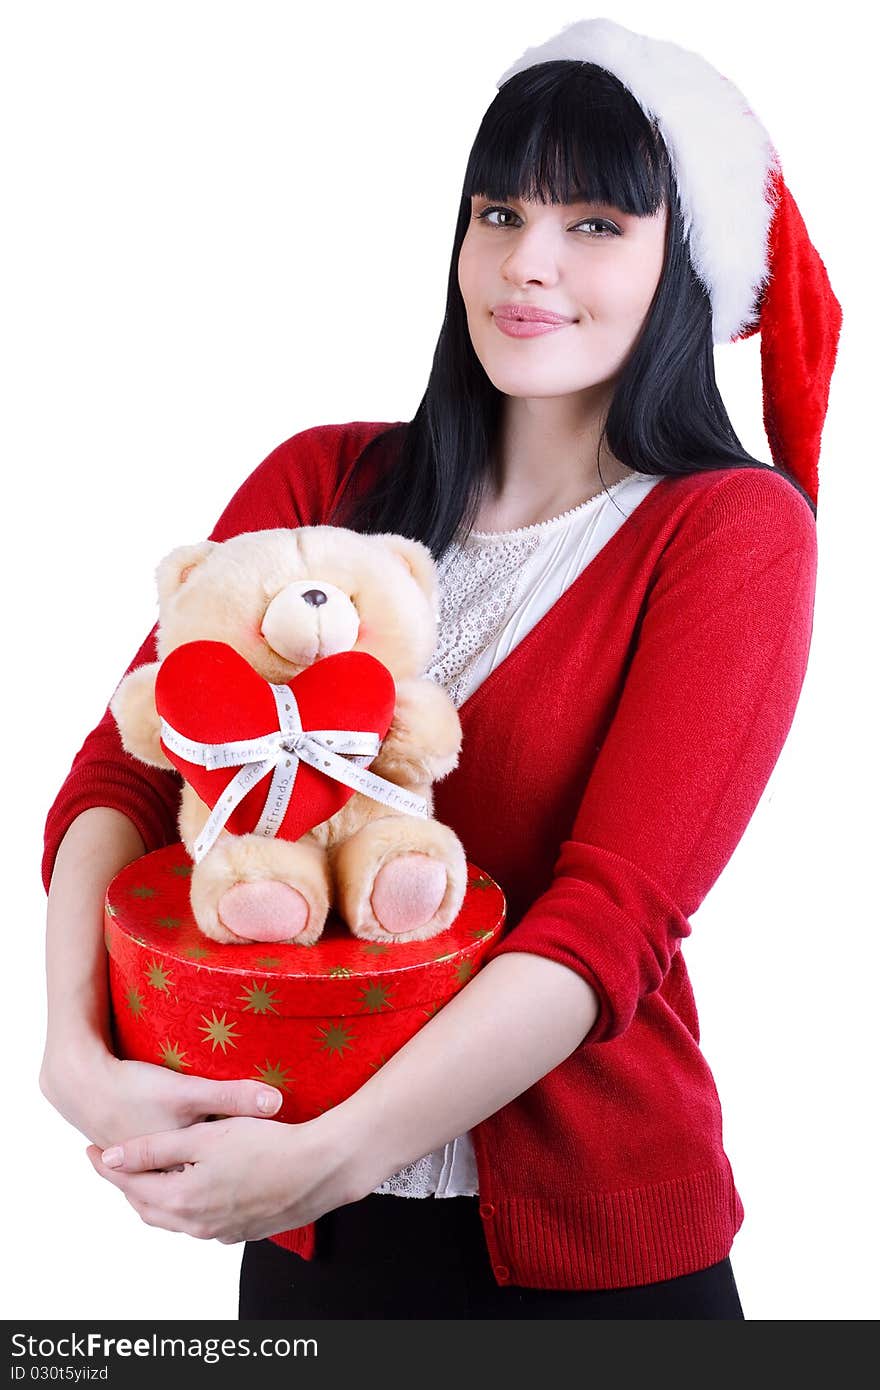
112	1157
268	1102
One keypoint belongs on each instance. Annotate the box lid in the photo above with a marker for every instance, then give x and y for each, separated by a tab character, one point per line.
153	939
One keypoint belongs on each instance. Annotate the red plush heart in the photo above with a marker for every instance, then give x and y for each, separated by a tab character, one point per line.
209	693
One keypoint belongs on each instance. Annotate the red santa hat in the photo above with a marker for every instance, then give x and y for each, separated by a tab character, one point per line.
745	235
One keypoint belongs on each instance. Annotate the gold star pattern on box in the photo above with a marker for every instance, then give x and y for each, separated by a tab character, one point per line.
274	1074
172	1055
217	1031
374	997
336	1038
481	882
259	999
157	976
135	1001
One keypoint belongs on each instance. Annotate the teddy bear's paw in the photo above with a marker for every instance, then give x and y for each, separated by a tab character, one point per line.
425	737
133	706
399	879
407	892
256	888
264	911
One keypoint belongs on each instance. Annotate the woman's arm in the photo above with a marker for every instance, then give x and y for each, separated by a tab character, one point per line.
99	842
109	1100
517	1019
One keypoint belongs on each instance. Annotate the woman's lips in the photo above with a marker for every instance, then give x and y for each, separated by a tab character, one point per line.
525	328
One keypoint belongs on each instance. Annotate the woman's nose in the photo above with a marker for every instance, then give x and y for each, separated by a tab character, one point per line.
531	263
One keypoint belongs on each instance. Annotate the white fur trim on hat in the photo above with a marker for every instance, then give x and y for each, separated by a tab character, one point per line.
720	152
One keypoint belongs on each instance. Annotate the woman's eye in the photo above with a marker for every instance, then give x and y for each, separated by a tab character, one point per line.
607	228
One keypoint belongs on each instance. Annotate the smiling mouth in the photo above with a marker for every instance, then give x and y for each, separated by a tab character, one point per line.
532	316
528	328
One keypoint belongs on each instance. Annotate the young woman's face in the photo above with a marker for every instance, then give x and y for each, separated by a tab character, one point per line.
590	262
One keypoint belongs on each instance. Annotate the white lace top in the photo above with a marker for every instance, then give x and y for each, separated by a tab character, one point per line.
493	589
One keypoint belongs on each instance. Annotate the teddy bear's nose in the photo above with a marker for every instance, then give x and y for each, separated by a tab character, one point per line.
304	632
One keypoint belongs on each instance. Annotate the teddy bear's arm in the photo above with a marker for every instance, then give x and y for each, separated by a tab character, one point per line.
425	736
134	709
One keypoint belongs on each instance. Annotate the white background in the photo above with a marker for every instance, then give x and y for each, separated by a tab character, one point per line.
227	222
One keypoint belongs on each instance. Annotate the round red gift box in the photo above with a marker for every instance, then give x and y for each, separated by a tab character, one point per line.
315	1021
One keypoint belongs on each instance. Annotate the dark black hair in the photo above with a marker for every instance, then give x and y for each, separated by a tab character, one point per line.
560	132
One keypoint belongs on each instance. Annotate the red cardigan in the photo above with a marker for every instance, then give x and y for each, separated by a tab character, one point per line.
622	747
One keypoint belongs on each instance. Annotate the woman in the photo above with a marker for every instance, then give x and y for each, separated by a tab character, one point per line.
627	609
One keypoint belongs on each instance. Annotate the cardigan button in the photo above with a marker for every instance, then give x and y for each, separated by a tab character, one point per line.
486	1210
502	1273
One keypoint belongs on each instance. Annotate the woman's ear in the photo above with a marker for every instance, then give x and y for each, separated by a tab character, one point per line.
173	572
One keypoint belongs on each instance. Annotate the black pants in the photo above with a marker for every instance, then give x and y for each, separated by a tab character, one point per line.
426	1257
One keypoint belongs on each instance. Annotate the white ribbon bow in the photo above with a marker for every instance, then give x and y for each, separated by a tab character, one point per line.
283	749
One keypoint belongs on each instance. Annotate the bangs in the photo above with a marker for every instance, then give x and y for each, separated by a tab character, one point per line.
569	132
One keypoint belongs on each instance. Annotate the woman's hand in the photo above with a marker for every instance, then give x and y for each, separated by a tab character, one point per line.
109	1100
234	1180
106	1099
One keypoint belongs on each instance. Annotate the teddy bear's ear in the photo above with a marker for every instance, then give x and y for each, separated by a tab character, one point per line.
418	560
174	570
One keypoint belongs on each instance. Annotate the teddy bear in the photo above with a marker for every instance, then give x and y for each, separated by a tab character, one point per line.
284	600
